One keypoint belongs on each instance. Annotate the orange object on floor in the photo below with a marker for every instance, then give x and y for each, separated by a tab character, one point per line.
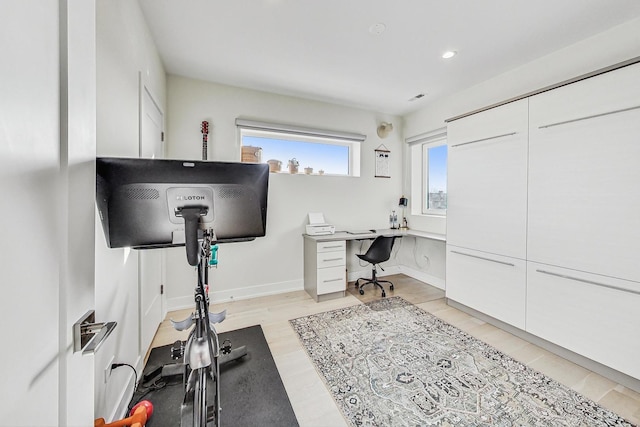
138	418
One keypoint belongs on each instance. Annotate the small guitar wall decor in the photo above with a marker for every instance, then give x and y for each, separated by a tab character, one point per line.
204	128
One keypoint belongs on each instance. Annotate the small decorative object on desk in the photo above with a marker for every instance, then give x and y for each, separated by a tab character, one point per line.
393	220
320	172
308	170
293	165
405	225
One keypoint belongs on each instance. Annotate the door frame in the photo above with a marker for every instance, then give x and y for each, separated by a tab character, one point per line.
145	92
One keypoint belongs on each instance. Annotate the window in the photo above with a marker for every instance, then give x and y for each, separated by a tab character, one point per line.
435	178
429	172
296	150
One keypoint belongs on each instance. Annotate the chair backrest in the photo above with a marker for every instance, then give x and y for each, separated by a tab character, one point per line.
380	249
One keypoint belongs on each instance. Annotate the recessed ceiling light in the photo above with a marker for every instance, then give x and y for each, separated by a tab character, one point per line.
377	29
449	54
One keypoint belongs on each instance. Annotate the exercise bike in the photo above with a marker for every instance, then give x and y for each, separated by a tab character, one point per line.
142	204
203	354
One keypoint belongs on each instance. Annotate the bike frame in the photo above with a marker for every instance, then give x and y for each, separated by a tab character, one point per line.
202	352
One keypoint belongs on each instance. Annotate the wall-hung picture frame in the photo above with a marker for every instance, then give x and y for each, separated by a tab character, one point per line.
383	157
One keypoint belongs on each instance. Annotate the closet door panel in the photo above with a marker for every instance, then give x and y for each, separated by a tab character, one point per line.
494	285
487	180
584	176
603	94
592	315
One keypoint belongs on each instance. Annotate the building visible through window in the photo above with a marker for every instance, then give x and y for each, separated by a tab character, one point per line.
436	177
308	157
295	150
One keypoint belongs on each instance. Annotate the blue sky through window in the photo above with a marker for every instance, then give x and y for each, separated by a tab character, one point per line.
332	159
438	169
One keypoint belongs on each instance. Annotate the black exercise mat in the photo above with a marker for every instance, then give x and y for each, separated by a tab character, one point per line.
251	391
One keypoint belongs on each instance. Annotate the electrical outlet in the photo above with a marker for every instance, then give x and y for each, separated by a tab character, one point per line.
107	369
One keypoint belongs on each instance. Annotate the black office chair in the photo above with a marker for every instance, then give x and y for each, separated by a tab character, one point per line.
379	251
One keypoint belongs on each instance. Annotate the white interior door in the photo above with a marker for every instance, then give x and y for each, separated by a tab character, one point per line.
47	179
29	164
150	268
151	121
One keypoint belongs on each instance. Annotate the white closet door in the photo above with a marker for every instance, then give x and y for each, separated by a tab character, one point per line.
492	284
592	315
487	180
584	175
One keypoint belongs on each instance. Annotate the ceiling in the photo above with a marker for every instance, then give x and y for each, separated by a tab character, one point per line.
328	50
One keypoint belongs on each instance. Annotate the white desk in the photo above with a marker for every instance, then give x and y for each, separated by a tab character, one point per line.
325	259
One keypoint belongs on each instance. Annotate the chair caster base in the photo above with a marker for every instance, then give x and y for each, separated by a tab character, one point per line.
384	295
361	292
391	287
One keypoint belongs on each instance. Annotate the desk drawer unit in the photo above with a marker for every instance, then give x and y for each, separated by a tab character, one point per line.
331	259
331	246
324	268
330	280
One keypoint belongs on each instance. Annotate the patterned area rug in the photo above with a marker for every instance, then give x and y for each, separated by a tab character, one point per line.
390	363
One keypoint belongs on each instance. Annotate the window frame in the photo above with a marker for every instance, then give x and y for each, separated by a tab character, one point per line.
419	169
293	133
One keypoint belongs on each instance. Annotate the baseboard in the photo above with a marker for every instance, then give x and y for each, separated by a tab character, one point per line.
183	302
592	365
423	277
180	303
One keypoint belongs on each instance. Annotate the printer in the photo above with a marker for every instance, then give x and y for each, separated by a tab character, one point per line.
317	225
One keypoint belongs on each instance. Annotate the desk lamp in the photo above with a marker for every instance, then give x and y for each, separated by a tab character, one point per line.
403	202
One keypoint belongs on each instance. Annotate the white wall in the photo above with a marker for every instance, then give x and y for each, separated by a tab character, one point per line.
275	263
417	257
125	51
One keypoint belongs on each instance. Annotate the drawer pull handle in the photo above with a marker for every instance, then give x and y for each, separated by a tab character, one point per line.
484	259
590	282
589	117
332	259
332	280
484	139
334	246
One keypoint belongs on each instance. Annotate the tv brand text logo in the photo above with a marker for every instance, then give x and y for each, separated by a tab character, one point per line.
190	197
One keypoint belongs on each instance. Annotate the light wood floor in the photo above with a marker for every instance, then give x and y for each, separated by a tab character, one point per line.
309	397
